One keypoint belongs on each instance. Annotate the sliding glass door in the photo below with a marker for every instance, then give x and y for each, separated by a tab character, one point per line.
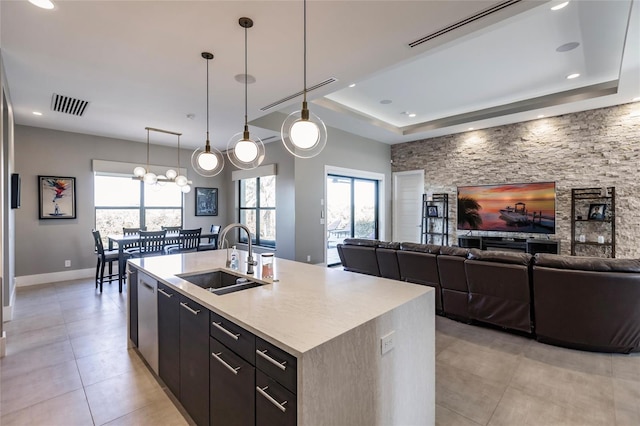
352	211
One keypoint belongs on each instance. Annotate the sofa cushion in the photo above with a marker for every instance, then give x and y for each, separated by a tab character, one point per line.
360	242
596	264
454	251
500	257
422	248
388	245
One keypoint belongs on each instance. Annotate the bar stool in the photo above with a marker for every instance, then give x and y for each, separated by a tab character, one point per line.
104	257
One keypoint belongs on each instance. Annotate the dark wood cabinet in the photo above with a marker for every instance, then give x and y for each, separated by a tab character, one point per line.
132	288
194	360
232	388
526	245
275	405
169	338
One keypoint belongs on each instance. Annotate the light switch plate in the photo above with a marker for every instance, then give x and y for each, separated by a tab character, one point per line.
387	342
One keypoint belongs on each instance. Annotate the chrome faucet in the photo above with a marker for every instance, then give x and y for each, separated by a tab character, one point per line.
250	262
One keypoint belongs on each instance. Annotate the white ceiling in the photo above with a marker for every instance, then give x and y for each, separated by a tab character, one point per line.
138	63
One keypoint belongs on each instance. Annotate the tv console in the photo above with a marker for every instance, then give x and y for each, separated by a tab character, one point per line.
526	245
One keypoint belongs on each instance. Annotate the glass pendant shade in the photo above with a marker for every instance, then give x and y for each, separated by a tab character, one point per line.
207	162
304	138
171	174
186	189
245	152
150	178
181	180
139	171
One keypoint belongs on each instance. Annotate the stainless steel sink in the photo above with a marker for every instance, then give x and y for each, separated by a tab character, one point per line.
219	282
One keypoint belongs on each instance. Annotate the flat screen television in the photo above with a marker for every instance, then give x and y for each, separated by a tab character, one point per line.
520	207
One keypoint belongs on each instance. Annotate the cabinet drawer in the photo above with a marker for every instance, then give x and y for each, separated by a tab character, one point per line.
232	388
276	363
234	337
275	405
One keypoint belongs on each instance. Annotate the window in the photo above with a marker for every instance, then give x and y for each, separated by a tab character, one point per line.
258	210
123	202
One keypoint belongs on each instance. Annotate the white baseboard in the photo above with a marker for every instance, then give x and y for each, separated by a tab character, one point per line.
75	274
7	311
3	344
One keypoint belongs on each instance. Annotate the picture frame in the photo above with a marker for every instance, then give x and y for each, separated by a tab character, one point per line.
596	211
432	211
206	201
57	197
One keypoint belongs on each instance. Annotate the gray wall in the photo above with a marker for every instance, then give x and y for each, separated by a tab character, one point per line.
587	149
43	245
343	150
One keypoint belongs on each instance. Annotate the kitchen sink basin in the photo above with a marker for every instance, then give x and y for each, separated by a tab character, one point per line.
219	282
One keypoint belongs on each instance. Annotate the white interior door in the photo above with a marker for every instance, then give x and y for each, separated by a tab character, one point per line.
408	188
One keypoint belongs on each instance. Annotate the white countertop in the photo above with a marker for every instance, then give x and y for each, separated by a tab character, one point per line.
307	306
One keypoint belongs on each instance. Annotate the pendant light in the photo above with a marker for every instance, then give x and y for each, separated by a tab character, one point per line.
207	162
150	178
304	133
243	151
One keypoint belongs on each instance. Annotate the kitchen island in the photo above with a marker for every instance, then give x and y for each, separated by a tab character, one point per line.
362	348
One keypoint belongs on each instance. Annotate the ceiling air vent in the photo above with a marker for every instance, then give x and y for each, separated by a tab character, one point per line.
295	95
68	105
497	8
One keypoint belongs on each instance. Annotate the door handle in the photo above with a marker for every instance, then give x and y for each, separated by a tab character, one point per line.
281	406
234	370
193	311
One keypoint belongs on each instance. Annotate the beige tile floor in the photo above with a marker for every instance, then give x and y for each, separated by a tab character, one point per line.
67	363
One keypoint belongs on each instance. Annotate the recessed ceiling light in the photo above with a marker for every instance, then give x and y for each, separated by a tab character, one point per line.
240	78
567	46
352	85
412	115
470	128
572	76
386	101
635	99
541	116
560	6
37	113
44	4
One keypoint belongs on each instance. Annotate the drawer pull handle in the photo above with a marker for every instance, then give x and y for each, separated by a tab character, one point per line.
281	406
149	286
193	311
165	293
280	365
230	368
219	326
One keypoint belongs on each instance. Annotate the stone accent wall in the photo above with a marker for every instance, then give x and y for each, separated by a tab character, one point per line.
593	148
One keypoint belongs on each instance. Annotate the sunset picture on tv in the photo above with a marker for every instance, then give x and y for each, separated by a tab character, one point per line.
523	207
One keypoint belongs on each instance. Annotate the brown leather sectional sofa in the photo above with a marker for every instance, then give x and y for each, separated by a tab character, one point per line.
577	302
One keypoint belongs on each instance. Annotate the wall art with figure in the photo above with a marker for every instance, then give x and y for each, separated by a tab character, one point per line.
57	197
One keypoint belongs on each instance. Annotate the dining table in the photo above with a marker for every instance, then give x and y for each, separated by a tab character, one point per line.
122	241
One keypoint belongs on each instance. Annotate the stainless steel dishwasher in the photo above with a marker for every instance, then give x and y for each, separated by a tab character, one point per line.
148	319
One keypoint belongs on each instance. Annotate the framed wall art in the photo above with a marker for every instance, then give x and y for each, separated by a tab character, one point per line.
206	201
57	197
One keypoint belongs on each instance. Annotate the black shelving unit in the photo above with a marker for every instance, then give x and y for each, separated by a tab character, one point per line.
585	231
435	219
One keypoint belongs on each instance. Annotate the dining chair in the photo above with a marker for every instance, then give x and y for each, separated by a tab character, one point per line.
212	244
189	240
104	257
151	243
131	231
172	240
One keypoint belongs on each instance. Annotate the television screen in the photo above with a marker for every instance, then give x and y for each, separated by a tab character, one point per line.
521	207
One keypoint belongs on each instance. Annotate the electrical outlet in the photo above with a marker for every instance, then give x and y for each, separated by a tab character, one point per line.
308	258
386	343
67	264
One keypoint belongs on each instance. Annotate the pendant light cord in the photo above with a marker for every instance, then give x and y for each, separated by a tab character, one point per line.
178	155
207	100
305	49
147	150
246	77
